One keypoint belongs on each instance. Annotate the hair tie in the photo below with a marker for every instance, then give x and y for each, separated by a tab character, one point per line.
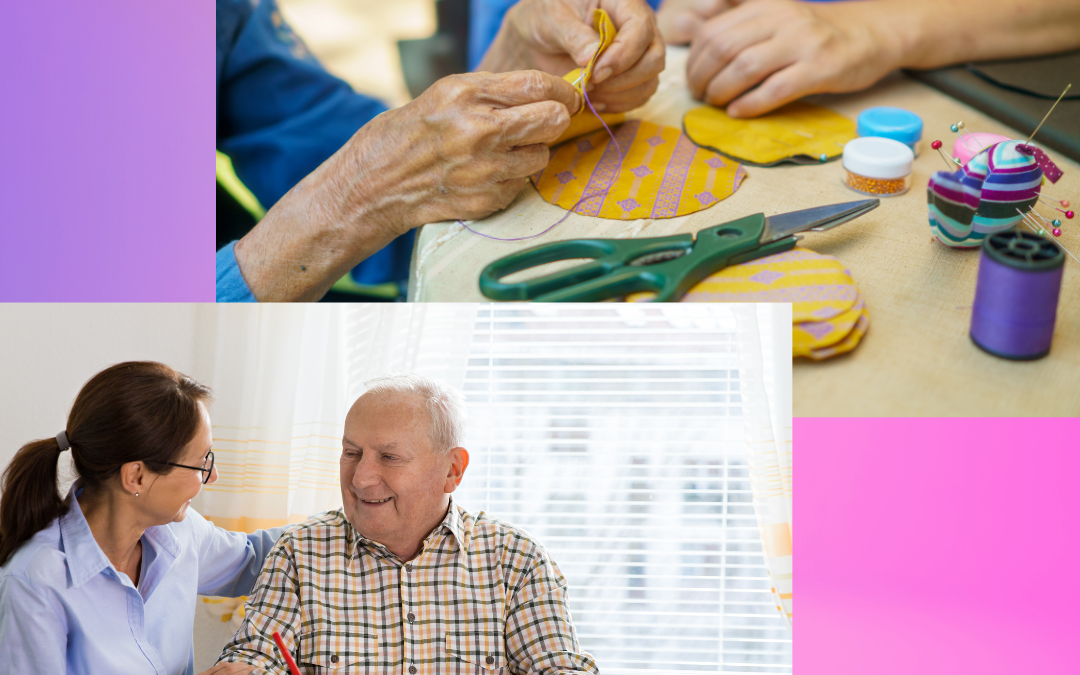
62	441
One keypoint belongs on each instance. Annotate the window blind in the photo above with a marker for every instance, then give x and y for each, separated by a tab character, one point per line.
614	435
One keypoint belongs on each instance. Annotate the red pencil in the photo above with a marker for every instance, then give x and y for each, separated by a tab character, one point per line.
285	653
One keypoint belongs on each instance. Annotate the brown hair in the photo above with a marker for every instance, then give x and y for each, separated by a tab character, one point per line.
139	411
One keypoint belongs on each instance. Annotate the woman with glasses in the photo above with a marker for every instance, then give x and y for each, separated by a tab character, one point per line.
104	580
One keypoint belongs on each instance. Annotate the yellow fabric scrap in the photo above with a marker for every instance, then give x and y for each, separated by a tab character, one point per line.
799	132
583	121
828	317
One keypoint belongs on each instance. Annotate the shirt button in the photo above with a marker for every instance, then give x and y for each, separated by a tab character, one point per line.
408	567
333	658
490	660
412	670
411	617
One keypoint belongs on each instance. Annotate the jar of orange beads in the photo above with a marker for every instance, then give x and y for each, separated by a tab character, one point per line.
878	166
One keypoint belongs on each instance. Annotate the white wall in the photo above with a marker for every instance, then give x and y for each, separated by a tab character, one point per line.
48	351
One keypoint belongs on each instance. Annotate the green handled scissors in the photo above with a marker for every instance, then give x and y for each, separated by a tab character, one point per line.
667	266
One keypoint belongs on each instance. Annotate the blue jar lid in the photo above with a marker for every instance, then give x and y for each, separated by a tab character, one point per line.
887	122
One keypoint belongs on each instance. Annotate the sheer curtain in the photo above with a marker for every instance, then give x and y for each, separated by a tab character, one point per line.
284	378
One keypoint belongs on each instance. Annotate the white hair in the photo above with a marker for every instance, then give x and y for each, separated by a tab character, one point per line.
445	404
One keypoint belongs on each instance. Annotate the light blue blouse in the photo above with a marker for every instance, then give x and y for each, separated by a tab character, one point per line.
64	608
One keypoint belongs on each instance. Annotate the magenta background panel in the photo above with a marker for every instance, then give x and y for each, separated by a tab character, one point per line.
936	546
106	151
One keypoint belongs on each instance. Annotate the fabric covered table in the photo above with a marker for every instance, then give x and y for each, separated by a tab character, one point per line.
916	359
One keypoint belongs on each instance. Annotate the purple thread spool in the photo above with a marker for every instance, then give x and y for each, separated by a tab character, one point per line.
1016	295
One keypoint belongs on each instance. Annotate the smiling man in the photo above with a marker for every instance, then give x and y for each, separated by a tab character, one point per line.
400	579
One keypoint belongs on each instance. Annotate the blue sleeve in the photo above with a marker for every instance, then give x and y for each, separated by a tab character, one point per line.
280	114
230	562
33	636
231	286
485	19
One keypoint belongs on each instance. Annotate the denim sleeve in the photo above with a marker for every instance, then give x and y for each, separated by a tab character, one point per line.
280	115
231	286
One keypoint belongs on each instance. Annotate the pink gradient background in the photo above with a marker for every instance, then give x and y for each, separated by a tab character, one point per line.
106	151
926	546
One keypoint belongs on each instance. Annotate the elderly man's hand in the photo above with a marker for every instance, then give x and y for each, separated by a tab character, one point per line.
461	150
557	36
787	50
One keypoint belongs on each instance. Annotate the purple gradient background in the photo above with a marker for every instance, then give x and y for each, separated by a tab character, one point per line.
106	151
936	546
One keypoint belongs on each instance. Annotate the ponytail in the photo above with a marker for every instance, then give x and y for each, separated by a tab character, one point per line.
139	411
31	495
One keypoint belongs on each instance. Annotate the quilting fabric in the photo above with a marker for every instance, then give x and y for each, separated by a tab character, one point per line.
799	132
982	198
584	121
662	174
828	313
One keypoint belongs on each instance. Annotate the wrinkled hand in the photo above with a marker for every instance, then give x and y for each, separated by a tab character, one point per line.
557	36
679	19
788	50
463	149
231	669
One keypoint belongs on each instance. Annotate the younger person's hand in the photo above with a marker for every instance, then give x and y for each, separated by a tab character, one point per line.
679	19
764	53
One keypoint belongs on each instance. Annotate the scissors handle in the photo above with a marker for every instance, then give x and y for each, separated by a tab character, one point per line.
606	275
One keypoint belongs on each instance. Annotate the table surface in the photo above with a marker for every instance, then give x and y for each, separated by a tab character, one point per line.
917	358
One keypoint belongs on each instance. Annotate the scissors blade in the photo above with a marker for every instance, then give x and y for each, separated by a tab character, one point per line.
817	219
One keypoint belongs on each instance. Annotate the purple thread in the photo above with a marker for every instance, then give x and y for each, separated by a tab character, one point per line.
580	201
1014	310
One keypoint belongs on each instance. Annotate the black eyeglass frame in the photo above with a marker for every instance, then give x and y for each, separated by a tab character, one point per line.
206	479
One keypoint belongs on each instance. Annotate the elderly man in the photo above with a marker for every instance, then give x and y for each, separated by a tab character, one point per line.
347	180
401	579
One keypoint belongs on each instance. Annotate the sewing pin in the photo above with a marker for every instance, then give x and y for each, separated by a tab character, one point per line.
1063	202
936	145
1067	88
959	131
955	128
1040	231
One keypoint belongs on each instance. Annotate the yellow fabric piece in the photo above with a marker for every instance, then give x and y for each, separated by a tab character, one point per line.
799	132
808	336
828	316
847	344
584	121
662	174
579	77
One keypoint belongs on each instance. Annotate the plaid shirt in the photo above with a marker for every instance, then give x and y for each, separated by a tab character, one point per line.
480	599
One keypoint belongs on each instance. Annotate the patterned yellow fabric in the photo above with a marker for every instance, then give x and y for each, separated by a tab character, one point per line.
828	314
481	597
584	121
798	132
662	174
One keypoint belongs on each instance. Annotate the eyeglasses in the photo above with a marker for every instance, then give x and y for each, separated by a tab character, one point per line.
208	469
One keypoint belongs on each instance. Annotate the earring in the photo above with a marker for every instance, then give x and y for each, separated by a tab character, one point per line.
136	494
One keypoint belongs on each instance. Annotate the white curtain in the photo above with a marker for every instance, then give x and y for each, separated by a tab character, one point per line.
284	378
768	439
